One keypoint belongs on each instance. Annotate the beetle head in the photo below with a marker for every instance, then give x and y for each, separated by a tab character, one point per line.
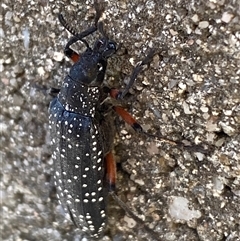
105	47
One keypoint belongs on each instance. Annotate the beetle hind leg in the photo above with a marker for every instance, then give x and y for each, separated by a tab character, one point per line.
110	175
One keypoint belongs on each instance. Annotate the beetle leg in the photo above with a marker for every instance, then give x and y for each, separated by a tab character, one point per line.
137	127
117	94
110	166
71	54
128	118
136	71
54	92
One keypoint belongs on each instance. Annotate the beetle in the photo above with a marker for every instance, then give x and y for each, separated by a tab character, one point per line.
82	131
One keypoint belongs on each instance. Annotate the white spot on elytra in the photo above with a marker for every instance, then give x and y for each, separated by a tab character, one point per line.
85	229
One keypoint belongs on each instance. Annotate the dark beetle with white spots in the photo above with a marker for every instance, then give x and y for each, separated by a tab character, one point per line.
79	137
82	131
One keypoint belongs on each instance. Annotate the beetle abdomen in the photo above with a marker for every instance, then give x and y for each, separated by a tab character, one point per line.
79	171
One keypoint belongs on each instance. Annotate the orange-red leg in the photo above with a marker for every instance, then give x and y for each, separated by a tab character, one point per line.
128	118
74	56
115	93
110	166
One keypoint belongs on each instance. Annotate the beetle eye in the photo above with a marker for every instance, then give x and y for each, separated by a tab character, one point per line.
112	46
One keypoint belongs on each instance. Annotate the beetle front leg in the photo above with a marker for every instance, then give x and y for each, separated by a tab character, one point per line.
117	94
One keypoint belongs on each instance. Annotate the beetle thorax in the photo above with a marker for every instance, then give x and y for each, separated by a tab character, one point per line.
79	98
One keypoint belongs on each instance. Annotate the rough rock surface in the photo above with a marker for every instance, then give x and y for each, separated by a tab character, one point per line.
189	92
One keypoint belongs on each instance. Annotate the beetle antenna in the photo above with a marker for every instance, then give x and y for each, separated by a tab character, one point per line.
73	31
101	30
99	8
66	25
